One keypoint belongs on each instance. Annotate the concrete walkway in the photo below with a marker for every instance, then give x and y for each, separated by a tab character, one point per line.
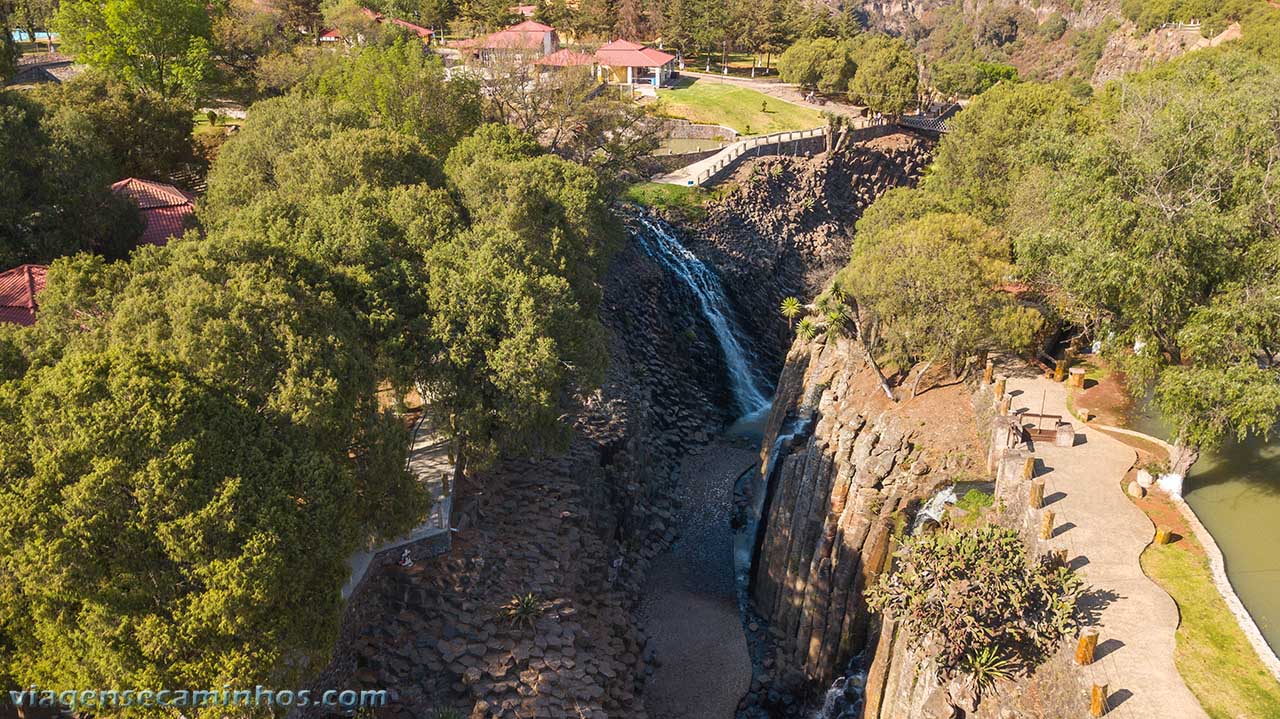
1104	533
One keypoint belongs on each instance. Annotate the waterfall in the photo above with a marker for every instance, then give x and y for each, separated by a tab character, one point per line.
660	243
935	507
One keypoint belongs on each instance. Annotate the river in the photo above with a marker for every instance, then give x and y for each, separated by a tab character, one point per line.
1235	491
691	608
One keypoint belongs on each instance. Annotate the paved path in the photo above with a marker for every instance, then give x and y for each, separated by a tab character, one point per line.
1104	533
691	607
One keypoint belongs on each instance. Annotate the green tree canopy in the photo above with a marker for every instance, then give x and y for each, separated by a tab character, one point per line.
160	46
888	78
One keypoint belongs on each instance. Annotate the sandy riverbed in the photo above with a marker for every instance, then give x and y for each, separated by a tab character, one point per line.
690	610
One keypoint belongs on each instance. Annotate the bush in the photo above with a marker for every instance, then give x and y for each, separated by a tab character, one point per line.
1054	26
980	600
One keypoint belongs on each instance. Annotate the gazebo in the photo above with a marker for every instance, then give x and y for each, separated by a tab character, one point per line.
622	61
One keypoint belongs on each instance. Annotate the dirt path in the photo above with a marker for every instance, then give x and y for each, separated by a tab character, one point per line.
690	609
1104	535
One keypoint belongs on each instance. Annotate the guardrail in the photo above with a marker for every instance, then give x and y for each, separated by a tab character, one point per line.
738	149
920	122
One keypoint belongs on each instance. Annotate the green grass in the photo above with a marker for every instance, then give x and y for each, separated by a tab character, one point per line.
687	201
745	110
1213	656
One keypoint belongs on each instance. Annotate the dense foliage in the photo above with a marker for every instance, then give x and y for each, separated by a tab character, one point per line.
194	440
56	168
1145	218
974	596
872	69
161	46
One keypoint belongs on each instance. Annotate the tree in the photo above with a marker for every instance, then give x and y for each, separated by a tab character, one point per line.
402	88
88	111
55	196
931	287
888	77
603	131
8	48
170	462
824	64
160	46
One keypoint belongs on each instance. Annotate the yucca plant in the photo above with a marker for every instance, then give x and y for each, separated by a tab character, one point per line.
522	609
987	666
790	309
807	328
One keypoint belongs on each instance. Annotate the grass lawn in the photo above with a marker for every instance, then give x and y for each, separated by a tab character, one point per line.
1213	656
745	110
688	201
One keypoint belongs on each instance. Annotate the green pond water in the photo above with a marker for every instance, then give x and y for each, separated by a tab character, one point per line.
1235	491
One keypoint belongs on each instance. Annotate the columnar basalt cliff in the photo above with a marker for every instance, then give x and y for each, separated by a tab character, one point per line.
789	224
847	470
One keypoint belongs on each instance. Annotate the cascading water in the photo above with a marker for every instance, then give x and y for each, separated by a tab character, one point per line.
660	243
933	509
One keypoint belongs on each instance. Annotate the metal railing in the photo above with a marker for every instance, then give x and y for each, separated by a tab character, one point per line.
920	122
730	154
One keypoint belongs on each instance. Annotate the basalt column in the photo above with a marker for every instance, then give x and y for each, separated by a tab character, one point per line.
838	493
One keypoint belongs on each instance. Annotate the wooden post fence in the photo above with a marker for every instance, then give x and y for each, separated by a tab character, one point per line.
1046	525
1098	700
1037	494
1087	646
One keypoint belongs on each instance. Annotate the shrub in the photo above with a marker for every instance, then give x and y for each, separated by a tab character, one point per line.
986	608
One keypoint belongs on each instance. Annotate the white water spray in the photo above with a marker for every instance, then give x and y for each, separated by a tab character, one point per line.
660	244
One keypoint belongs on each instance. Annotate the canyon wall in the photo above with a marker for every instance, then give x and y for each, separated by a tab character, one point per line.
787	227
847	471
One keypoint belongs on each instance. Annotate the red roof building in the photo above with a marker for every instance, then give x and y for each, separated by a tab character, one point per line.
528	37
165	209
622	61
18	290
335	35
565	58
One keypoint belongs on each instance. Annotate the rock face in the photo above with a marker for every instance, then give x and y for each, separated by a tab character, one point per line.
788	227
839	493
1130	51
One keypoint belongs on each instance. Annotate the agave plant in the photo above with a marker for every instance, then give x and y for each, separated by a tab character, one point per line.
987	666
522	609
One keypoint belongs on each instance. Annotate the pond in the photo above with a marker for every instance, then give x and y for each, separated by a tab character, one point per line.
1235	491
680	146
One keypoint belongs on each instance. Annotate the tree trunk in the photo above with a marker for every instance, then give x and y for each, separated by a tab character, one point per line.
916	385
871	360
1182	458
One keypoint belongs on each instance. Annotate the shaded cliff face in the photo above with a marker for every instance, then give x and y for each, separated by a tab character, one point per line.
847	471
788	227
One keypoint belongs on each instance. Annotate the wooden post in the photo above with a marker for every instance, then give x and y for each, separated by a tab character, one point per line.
1028	468
1060	370
1061	556
1098	700
999	388
1037	494
1162	535
1003	409
988	372
1087	646
1076	378
1046	525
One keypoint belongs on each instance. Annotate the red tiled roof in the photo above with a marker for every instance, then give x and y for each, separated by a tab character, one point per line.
332	34
528	34
165	208
417	29
565	58
18	289
623	53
